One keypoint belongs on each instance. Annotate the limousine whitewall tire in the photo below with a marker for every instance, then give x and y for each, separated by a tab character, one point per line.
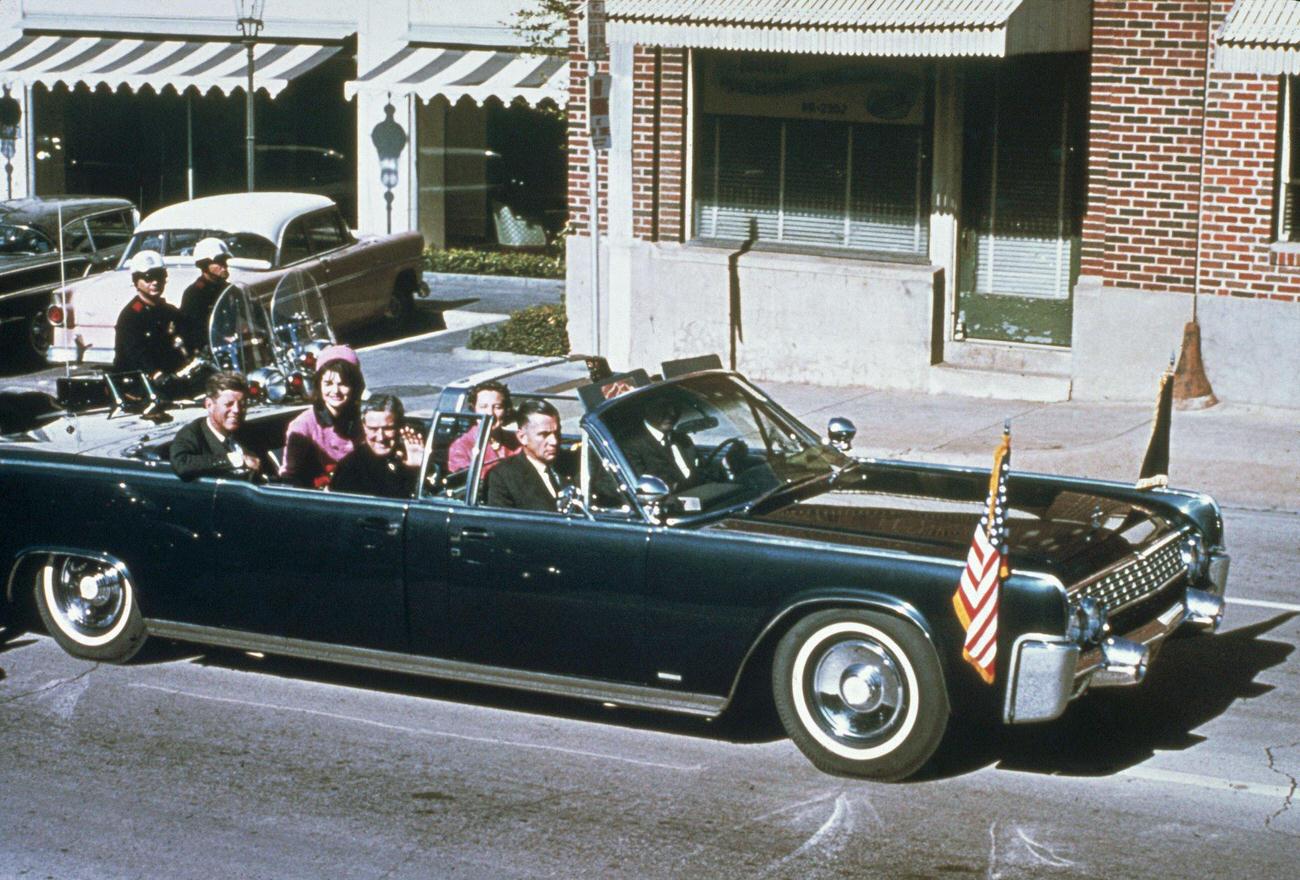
860	693
89	607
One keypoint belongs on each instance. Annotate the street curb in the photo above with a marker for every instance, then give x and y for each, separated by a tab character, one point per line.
494	357
496	281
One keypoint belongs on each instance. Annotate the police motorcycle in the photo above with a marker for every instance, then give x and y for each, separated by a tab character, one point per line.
275	349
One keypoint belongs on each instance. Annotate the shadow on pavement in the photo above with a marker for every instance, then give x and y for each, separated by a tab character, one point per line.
752	728
426	318
1192	681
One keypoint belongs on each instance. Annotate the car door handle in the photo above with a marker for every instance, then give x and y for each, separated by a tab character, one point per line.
475	534
379	524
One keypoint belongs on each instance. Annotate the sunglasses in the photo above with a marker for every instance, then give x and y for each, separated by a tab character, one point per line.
156	275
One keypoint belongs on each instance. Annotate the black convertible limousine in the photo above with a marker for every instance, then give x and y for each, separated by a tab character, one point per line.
824	580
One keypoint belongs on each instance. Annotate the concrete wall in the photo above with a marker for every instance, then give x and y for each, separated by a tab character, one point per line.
1123	339
803	318
319	19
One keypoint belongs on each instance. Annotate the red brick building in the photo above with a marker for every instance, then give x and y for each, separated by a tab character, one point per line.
1020	197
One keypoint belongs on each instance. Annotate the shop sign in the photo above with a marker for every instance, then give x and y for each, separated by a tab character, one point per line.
796	87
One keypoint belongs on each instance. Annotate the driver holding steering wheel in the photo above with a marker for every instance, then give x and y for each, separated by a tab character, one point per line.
660	450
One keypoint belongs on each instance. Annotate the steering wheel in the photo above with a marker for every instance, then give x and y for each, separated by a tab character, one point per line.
728	455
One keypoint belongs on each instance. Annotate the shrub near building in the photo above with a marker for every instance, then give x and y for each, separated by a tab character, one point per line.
536	330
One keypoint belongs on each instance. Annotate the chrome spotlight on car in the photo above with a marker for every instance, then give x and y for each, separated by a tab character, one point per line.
1123	663
268	384
1087	621
841	432
1204	610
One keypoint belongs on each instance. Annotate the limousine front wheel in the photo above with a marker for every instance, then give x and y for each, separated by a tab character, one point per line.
860	693
90	608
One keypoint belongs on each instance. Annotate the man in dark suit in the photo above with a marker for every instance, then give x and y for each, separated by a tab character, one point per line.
657	449
530	481
211	445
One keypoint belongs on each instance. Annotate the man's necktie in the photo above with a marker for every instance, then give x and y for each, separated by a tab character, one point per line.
554	479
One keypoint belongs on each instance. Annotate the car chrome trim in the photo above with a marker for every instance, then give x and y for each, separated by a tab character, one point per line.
638	696
1151	634
1146	557
876	602
1204	610
59	550
1217	571
1123	663
1040	678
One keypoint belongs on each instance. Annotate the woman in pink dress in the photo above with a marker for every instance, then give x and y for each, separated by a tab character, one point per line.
319	437
486	398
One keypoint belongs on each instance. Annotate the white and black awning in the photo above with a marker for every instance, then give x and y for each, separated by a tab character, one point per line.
864	28
477	74
156	64
1260	36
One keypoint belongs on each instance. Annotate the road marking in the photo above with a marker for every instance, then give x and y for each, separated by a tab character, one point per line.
1264	603
455	320
418	731
1213	783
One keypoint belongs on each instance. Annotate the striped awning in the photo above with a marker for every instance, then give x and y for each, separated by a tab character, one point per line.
899	28
479	74
1260	36
158	64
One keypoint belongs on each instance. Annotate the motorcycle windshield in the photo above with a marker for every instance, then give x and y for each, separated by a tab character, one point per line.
238	333
299	316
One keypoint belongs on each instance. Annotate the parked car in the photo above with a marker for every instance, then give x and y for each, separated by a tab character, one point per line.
824	580
95	232
270	234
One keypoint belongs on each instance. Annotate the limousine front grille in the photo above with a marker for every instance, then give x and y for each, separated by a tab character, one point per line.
1135	579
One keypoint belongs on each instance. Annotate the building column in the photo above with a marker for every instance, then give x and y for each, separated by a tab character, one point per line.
618	344
945	199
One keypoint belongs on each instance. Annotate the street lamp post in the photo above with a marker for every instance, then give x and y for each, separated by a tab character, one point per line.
249	14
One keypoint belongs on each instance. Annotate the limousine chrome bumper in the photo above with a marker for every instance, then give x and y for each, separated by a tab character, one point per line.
1047	671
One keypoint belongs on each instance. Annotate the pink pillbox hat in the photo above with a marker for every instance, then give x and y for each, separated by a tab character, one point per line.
336	353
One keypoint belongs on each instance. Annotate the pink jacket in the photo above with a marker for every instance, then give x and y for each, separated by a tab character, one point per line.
312	449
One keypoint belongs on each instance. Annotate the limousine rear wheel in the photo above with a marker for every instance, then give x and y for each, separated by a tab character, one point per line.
89	607
860	693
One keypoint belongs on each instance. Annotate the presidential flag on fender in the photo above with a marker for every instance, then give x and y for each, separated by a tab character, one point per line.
976	599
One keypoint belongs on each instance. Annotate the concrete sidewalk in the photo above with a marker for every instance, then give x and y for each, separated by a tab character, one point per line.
1245	456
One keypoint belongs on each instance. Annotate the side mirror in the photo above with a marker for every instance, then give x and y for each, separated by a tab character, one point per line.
841	432
651	492
569	501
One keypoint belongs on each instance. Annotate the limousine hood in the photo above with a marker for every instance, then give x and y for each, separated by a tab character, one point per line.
1075	536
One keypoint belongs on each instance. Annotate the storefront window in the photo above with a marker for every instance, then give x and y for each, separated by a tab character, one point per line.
812	152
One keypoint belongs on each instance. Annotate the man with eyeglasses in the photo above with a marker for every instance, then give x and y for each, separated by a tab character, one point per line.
149	329
388	463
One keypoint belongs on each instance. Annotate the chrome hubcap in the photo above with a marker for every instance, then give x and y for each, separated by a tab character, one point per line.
857	691
89	595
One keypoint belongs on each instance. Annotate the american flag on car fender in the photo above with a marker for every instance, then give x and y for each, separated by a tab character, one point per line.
976	599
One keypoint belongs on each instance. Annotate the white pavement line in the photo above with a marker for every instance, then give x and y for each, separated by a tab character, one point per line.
456	322
1212	783
1264	603
417	731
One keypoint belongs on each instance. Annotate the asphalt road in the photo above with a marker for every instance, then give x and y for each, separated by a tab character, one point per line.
201	764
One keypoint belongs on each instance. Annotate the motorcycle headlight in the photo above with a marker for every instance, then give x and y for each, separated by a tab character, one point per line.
272	384
1086	621
1192	550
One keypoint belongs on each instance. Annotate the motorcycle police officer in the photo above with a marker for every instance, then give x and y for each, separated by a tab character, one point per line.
149	329
211	255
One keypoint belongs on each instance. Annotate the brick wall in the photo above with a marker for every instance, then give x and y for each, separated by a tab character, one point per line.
579	143
1148	76
658	143
1240	190
1145	192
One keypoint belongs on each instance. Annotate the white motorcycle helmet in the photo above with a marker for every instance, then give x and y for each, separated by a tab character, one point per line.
143	262
208	250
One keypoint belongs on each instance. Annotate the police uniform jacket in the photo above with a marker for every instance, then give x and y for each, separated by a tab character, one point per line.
147	338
